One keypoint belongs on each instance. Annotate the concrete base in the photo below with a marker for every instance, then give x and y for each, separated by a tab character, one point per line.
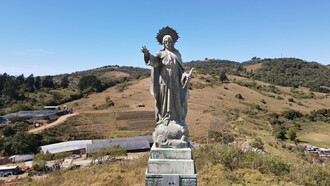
171	179
171	166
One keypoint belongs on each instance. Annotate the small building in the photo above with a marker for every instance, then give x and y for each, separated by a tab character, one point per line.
76	146
13	169
37	115
18	158
132	144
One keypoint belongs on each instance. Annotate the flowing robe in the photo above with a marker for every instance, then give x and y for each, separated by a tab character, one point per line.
170	96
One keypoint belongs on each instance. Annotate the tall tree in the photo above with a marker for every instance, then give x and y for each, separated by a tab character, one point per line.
29	83
90	84
48	82
65	82
37	82
20	80
223	76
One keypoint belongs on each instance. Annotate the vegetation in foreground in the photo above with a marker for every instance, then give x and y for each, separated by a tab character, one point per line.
217	164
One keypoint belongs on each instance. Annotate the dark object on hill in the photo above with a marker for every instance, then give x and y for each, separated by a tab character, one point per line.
239	96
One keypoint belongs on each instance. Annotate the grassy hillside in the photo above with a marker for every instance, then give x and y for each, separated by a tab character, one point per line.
230	115
210	101
293	72
212	64
28	93
106	74
290	72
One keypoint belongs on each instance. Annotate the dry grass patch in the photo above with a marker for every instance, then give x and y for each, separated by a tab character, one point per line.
116	173
216	102
316	133
253	67
114	74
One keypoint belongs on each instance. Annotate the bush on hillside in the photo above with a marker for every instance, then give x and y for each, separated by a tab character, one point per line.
292	72
239	96
291	114
257	143
292	133
90	84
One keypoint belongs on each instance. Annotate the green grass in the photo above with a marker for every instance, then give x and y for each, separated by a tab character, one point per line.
215	164
315	133
121	133
101	124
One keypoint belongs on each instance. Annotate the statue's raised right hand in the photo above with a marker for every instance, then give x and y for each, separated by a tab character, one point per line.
145	51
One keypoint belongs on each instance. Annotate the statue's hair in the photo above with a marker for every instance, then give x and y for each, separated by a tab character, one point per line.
167	31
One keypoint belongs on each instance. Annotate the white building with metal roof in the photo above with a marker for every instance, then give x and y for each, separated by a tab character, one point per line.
139	143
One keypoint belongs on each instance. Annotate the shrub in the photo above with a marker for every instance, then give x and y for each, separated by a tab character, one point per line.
107	99
61	155
22	143
257	143
291	114
239	96
258	107
17	119
8	131
321	114
106	154
110	103
311	117
90	84
279	132
292	133
223	77
123	86
291	100
38	165
221	137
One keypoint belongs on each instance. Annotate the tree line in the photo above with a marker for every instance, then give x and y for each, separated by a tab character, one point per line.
292	72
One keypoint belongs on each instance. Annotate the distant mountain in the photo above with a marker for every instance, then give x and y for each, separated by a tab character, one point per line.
106	74
292	72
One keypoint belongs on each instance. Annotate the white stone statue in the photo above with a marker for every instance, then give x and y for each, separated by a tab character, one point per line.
169	87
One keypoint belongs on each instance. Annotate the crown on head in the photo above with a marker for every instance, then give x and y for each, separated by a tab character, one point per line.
167	31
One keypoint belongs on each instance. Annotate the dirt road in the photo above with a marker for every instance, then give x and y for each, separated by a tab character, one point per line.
58	121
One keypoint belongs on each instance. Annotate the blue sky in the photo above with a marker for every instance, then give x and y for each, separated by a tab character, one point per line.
53	37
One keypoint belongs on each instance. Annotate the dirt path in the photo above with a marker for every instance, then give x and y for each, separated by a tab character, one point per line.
58	121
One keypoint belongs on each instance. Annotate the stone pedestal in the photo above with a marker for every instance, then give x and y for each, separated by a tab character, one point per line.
171	166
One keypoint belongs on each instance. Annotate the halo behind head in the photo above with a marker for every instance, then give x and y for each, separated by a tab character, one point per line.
167	31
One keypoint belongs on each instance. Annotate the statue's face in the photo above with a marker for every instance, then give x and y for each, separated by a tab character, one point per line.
168	43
